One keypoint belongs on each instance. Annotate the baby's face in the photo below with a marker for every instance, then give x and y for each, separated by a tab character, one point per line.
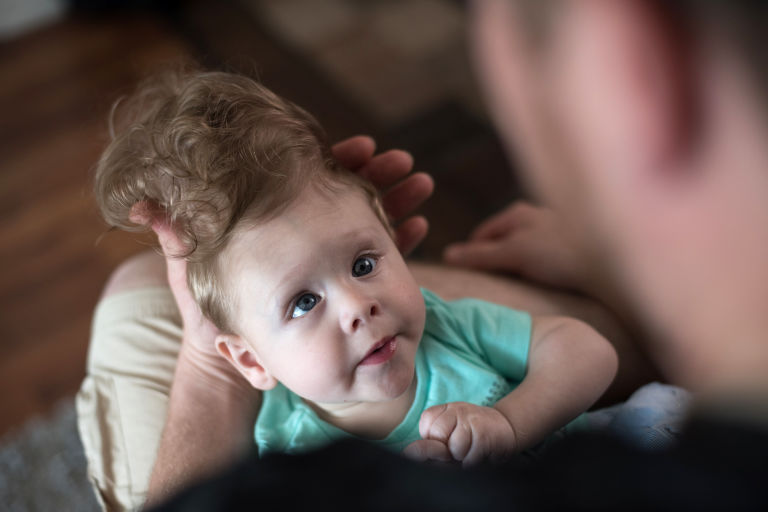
326	301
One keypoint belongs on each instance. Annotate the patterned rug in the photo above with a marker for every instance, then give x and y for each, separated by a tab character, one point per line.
42	466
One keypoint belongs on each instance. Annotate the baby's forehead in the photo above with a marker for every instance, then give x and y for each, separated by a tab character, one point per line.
260	270
340	206
309	225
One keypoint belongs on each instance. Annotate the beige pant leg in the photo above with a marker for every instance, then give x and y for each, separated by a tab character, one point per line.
122	403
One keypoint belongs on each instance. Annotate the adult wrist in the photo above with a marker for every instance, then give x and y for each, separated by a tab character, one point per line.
210	372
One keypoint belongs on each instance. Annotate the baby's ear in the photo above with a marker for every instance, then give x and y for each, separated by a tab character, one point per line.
242	356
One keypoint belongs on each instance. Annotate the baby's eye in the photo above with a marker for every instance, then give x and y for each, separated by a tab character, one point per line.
363	265
304	304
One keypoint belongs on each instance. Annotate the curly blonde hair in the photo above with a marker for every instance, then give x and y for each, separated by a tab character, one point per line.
213	151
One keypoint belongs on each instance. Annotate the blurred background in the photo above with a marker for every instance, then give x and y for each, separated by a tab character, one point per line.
395	69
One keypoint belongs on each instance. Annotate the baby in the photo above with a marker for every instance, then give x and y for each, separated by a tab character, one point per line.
293	259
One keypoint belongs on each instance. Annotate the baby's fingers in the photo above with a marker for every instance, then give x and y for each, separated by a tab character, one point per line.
460	441
428	449
437	422
442	423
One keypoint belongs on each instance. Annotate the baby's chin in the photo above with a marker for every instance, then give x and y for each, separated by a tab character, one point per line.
397	387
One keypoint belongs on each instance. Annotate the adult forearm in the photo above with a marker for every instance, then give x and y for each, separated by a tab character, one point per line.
209	424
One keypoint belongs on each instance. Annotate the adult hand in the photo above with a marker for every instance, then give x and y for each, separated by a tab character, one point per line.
466	432
388	171
199	333
527	240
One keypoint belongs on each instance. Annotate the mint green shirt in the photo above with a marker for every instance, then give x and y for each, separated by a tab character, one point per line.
471	351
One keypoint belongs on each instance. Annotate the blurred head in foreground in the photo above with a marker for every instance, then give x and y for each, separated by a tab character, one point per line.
644	123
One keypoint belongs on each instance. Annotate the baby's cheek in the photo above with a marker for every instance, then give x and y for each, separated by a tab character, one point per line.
316	376
416	309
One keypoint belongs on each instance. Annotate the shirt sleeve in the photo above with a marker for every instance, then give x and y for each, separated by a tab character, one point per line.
499	335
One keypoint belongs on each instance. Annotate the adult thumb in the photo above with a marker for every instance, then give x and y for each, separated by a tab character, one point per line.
149	214
169	241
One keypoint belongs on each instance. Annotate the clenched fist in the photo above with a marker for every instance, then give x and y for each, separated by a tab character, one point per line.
462	432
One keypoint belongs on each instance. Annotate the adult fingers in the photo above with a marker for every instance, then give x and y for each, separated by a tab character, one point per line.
177	266
410	233
354	152
148	214
407	195
428	449
501	223
173	248
486	255
386	169
143	212
169	240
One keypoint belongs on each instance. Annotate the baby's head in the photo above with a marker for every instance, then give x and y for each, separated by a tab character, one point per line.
289	254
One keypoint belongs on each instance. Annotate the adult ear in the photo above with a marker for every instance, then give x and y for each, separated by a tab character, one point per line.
627	88
243	357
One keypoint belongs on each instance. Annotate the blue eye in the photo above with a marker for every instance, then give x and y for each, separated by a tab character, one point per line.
363	265
304	304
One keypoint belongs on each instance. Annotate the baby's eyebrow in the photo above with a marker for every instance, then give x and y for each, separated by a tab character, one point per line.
365	232
275	295
359	237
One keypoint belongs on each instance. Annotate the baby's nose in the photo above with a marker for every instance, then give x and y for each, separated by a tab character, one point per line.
358	311
359	319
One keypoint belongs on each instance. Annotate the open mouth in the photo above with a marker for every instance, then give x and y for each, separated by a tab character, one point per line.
381	352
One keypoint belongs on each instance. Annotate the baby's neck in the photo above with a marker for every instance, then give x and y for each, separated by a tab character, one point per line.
370	420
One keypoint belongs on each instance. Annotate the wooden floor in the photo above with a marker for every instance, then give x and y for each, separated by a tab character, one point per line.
56	85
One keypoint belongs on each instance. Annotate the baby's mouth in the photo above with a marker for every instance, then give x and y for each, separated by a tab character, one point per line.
381	352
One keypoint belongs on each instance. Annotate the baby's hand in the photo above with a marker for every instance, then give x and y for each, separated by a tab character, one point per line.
463	432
